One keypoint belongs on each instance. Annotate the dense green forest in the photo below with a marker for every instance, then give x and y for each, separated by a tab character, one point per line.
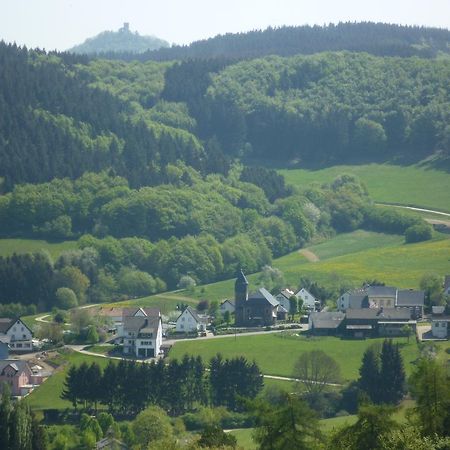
320	109
54	122
62	115
122	40
376	38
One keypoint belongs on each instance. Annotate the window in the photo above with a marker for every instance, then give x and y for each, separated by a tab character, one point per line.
24	336
182	326
183	319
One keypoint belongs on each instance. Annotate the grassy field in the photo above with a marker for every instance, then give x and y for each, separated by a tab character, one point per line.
405	185
165	302
276	353
350	259
10	246
47	396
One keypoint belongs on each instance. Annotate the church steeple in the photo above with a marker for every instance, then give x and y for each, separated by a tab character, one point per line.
240	297
241	287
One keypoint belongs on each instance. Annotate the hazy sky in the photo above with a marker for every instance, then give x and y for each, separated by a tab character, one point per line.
61	24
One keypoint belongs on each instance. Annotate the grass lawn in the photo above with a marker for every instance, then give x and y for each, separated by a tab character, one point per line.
405	185
10	246
101	349
401	265
276	353
47	396
244	438
165	302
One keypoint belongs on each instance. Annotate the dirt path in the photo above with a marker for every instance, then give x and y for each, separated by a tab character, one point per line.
412	208
309	255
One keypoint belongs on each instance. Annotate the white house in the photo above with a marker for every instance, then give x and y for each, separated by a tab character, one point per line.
227	305
189	321
309	301
353	299
142	335
20	336
440	323
283	298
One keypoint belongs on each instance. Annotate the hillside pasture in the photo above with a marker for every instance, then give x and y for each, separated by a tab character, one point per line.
277	353
10	246
404	185
350	259
48	394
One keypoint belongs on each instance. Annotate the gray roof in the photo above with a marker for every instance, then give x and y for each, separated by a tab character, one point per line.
378	314
5	324
194	314
261	296
382	291
286	293
327	319
408	297
17	364
358	300
150	312
140	324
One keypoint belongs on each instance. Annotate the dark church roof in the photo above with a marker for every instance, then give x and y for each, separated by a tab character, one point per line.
262	296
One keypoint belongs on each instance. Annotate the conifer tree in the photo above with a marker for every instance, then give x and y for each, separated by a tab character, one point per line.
392	373
369	374
5	413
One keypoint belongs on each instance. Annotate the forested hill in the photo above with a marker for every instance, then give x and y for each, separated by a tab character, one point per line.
55	122
122	40
374	38
62	115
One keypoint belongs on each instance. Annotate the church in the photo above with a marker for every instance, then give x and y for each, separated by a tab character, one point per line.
260	308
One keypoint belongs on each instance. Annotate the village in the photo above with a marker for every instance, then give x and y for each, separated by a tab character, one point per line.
143	334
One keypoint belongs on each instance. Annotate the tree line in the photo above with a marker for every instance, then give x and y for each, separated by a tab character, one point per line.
128	387
223	224
375	38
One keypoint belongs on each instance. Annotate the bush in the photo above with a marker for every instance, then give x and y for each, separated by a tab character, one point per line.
418	233
66	298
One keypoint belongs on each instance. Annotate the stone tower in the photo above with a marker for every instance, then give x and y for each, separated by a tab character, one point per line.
240	298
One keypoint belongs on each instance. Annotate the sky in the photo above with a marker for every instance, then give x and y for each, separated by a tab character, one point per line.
60	24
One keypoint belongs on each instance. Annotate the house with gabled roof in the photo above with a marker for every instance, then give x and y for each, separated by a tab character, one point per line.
310	303
440	323
19	334
354	299
283	298
326	322
371	322
227	305
16	373
382	296
189	322
142	335
412	300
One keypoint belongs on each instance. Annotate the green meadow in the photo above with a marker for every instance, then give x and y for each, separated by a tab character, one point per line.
350	259
10	246
277	353
165	302
48	395
405	185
